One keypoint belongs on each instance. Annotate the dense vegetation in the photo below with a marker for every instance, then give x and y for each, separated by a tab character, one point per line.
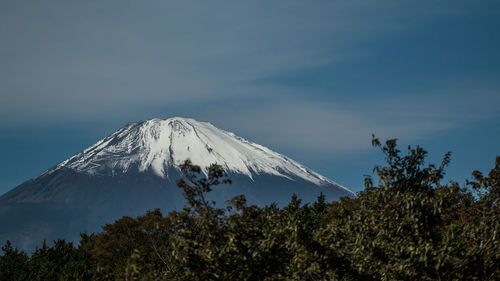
407	227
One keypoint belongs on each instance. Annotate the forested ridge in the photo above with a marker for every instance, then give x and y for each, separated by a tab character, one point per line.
405	225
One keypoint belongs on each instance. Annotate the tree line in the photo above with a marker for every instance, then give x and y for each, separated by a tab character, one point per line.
405	225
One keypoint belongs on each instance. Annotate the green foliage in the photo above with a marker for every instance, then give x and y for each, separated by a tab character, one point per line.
13	263
62	261
406	227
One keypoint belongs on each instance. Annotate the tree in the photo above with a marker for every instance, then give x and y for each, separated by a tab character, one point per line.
13	263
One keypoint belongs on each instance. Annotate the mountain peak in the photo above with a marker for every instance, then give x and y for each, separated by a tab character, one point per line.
157	144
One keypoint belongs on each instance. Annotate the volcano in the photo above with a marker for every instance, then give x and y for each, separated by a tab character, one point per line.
135	169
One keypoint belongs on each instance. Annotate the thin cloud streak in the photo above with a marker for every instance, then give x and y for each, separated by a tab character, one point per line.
333	128
320	128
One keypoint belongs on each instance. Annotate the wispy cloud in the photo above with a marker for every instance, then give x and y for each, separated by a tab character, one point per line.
324	128
92	58
123	60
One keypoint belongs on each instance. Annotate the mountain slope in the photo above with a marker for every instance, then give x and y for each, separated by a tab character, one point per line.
157	144
135	169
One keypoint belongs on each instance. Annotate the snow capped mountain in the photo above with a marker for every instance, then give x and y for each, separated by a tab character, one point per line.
135	169
158	144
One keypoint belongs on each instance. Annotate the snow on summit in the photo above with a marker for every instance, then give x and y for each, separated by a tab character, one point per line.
157	144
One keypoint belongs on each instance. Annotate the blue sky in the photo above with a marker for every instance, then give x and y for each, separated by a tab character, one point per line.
309	79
